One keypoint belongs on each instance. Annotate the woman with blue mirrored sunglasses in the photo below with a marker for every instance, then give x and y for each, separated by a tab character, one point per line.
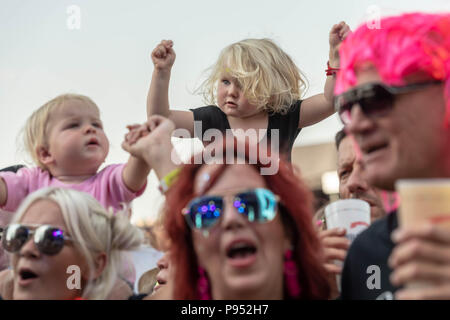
239	234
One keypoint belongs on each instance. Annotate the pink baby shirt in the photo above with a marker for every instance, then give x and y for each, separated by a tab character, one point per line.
106	186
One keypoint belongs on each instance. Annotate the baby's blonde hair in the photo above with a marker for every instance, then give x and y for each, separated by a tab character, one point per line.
267	76
35	130
94	230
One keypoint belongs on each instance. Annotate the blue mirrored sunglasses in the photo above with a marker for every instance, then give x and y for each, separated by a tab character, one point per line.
258	205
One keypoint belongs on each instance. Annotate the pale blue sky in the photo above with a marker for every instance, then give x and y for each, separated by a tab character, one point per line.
108	58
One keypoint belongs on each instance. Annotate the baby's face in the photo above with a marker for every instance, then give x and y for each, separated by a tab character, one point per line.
77	144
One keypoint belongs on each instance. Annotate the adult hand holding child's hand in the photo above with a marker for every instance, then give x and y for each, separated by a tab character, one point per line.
150	141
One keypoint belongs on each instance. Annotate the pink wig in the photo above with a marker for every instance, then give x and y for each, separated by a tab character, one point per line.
414	43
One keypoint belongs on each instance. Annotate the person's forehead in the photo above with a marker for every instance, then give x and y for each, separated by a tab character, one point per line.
233	177
346	152
367	74
75	108
44	211
229	77
227	73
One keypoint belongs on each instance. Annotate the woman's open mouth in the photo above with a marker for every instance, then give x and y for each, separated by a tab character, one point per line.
26	276
241	254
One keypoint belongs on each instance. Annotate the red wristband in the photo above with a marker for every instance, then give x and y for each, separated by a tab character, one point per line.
331	71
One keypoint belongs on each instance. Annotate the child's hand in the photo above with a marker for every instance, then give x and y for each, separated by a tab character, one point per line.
160	126
163	56
150	141
135	132
338	33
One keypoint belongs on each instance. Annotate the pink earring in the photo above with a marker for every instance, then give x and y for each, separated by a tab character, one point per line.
203	285
291	275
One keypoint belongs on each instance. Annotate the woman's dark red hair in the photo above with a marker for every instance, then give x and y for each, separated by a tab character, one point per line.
297	202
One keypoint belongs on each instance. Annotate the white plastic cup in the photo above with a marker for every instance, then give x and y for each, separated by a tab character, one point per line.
353	215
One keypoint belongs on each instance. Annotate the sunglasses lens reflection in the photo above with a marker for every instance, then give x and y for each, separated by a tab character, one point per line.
261	205
49	240
380	102
373	100
205	212
248	204
15	237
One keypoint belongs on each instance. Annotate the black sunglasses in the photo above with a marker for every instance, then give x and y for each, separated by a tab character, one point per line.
49	240
374	99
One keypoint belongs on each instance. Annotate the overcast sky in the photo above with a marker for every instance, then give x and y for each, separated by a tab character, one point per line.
44	54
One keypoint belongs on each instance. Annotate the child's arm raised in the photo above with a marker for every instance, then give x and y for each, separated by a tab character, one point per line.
320	106
163	57
151	142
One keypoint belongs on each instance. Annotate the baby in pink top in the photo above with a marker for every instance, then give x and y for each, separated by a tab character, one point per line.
65	138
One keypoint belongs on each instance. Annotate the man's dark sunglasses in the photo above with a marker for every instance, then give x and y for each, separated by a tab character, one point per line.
374	99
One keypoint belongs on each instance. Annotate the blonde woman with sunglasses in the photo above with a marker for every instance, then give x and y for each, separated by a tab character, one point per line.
64	245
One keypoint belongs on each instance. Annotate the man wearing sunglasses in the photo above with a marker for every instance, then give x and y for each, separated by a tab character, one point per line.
391	95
